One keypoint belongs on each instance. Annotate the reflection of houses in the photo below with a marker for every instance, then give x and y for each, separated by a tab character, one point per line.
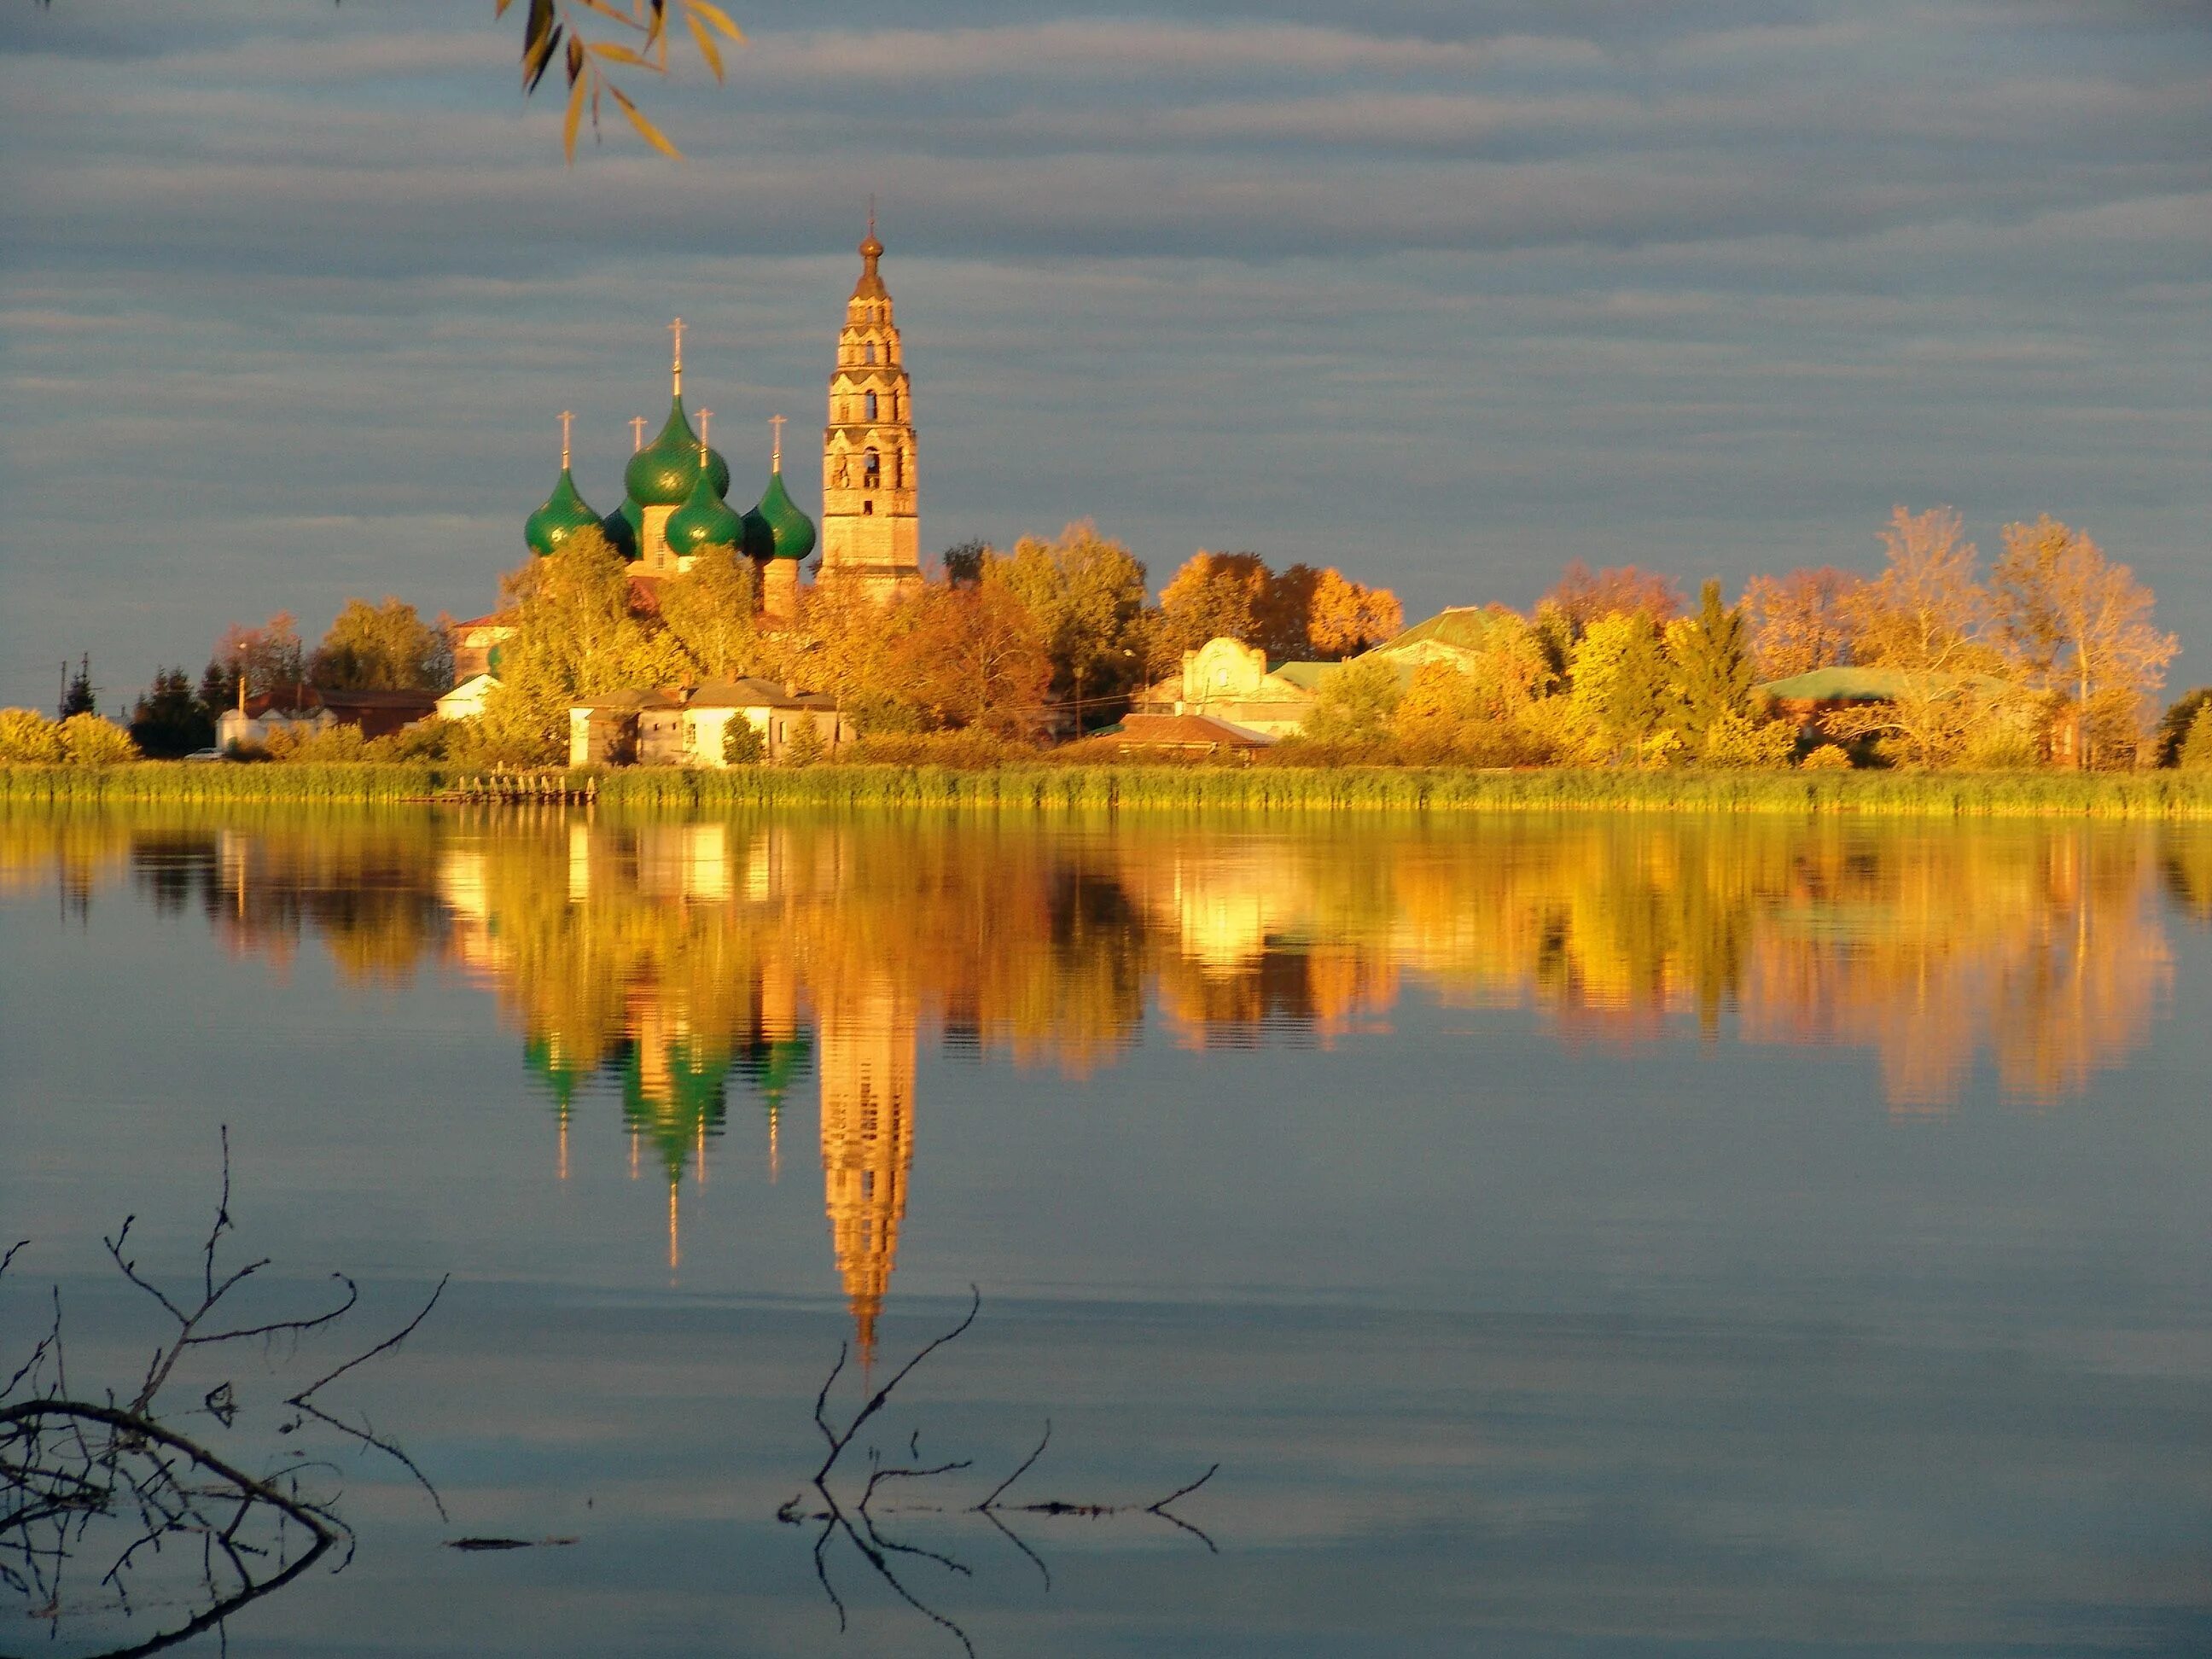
688	726
867	1138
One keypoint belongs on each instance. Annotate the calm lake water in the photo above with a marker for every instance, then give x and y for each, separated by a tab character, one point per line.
1603	1236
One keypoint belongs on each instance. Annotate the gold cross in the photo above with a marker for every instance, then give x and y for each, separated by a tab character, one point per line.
567	415
636	433
677	329
705	415
775	425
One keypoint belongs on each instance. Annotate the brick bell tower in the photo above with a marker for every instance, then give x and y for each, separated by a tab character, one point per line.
871	533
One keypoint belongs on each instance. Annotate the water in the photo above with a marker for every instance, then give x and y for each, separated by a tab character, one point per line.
1622	1237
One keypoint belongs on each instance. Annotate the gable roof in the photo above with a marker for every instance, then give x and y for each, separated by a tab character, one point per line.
753	692
1465	626
1837	685
1186	732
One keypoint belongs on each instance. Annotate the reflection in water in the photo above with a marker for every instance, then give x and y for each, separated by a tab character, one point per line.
670	963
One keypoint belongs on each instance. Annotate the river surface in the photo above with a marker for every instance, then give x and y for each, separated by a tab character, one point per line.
1614	1237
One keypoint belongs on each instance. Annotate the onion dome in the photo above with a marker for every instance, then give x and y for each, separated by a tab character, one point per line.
625	529
791	532
705	519
662	473
563	514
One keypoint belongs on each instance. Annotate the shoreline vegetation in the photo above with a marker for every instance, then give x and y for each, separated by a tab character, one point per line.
2165	794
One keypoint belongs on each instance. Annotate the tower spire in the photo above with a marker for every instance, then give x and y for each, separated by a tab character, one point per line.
676	328
567	415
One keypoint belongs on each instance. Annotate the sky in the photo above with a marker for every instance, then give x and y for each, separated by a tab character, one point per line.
1443	294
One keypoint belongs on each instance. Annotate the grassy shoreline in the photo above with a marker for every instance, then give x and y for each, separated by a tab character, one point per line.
1048	788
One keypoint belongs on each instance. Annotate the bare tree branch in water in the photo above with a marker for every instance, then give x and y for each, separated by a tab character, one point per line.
856	1520
83	1480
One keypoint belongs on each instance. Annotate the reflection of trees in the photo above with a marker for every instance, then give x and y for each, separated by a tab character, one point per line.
679	968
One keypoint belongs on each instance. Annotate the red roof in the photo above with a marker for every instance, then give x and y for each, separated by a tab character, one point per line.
1186	732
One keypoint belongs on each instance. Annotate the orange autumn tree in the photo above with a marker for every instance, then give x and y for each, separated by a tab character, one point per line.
1803	620
1345	617
2079	628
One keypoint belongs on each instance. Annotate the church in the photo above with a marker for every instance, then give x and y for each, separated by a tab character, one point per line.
676	487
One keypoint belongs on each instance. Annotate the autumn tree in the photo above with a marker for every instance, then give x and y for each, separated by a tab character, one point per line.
1212	596
1926	620
1087	595
382	647
1354	704
270	658
1345	617
709	611
2195	753
1581	595
1802	620
576	636
972	656
2079	628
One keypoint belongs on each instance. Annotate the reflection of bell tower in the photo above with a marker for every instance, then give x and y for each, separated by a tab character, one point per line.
871	536
867	1140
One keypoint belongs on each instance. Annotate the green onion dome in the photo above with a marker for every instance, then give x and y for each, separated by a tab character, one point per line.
704	521
662	473
792	530
563	514
625	529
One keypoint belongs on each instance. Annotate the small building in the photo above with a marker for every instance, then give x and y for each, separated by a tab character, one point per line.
1188	734
1227	680
465	702
477	645
689	725
1806	700
377	713
260	719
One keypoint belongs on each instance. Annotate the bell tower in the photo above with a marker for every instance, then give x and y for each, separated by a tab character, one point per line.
871	534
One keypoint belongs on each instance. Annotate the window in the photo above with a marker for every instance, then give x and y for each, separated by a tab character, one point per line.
871	469
870	402
868	352
867	509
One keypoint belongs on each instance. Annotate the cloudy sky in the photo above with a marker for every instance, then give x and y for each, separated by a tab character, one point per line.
1443	293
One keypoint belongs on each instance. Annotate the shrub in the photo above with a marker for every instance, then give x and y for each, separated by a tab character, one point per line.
1828	757
28	738
88	740
804	746
742	743
1733	741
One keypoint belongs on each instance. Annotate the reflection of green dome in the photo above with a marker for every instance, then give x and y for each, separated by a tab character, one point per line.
625	529
563	514
772	1068
704	521
662	473
696	1080
791	530
553	1069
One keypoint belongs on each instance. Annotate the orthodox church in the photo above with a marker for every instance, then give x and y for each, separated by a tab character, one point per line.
676	487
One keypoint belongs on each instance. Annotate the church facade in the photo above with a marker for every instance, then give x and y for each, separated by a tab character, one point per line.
676	488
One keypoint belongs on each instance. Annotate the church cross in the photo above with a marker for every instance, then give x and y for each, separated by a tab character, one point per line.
705	415
775	425
676	328
567	415
636	433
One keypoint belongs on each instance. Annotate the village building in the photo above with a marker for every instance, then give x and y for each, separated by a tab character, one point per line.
679	726
1227	680
465	702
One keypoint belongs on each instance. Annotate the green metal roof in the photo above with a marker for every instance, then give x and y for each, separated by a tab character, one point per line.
1306	676
705	519
1837	685
662	473
562	516
1465	626
791	529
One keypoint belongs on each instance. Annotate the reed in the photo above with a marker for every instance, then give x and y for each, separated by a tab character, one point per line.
1061	789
